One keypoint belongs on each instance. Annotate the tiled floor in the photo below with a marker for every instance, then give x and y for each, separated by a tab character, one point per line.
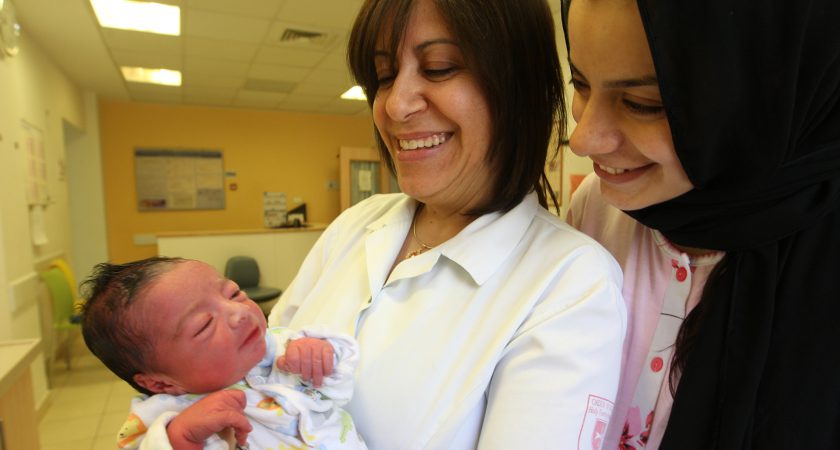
89	404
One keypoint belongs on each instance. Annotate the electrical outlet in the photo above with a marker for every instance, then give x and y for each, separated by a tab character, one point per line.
332	185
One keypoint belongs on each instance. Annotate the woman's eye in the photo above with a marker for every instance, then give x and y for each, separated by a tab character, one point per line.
440	73
642	109
384	80
579	85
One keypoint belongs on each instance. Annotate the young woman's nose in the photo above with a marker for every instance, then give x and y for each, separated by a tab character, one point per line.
405	97
596	132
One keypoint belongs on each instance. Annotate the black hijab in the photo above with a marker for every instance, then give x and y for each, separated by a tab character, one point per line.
752	93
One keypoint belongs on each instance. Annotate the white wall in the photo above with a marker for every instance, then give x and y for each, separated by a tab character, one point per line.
86	195
34	91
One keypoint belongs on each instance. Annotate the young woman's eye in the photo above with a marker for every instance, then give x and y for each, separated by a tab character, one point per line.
642	109
579	85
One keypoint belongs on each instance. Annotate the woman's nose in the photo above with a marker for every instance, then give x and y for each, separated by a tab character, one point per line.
405	97
597	131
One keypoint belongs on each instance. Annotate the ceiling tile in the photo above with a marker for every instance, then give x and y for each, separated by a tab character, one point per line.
252	8
275	72
145	42
304	37
319	89
339	13
216	93
257	85
147	59
258	99
219	49
225	26
336	59
288	56
213	80
212	67
144	92
330	77
301	100
341	106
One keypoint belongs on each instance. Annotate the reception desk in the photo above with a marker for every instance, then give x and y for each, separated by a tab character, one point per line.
278	251
18	421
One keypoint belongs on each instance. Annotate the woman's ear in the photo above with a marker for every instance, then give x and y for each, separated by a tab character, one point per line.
158	384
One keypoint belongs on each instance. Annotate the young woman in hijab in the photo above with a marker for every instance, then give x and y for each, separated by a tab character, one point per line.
714	129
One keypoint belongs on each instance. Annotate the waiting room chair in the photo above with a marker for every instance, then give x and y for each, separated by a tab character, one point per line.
245	271
78	302
65	323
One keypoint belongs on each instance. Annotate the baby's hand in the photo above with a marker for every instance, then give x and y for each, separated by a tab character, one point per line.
210	415
311	358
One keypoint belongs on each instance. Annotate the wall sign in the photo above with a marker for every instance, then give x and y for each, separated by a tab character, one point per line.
169	179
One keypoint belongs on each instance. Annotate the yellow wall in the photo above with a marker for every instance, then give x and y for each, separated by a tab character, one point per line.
269	151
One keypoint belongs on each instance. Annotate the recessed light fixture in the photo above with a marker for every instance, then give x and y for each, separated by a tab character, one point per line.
138	16
354	93
154	76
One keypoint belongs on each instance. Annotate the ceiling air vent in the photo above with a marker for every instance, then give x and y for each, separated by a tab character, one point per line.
300	37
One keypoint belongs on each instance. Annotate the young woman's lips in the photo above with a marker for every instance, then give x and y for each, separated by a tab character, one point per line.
618	176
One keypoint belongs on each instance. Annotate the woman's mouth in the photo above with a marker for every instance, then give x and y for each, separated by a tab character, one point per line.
612	170
427	142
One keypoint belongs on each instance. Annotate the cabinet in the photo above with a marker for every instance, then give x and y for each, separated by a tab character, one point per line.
17	404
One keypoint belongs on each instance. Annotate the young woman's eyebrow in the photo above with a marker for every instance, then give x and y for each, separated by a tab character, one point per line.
648	80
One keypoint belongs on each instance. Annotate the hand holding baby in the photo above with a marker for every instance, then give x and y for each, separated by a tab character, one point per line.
210	415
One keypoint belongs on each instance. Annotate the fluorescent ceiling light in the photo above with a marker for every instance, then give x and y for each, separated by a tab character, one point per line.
138	16
354	93
153	76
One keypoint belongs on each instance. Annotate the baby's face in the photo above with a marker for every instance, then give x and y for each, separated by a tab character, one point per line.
207	334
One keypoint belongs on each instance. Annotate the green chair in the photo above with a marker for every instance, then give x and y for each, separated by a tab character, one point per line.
65	323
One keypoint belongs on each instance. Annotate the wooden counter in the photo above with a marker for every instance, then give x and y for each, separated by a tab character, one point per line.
17	405
307	228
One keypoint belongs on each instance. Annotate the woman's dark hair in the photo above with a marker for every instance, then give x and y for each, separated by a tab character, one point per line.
109	334
509	46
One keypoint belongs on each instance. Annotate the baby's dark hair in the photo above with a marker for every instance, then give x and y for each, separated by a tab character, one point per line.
109	334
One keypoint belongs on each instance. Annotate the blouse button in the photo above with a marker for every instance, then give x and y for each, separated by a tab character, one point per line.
681	274
656	364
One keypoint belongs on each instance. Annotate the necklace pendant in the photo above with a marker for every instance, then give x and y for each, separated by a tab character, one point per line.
422	249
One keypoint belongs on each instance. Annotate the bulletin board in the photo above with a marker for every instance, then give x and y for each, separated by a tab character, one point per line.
176	179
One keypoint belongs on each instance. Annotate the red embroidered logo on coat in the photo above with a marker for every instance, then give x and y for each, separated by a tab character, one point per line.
595	421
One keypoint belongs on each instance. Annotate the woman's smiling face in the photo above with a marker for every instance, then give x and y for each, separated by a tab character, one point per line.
432	114
621	121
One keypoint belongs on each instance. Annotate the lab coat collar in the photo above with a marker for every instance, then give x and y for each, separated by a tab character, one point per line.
485	244
480	248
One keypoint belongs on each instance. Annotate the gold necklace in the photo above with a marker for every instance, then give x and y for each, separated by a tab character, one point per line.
423	246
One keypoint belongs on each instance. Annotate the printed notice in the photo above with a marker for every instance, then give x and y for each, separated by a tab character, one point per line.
179	179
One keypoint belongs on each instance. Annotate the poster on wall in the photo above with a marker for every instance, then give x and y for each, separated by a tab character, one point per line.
36	165
174	179
274	209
